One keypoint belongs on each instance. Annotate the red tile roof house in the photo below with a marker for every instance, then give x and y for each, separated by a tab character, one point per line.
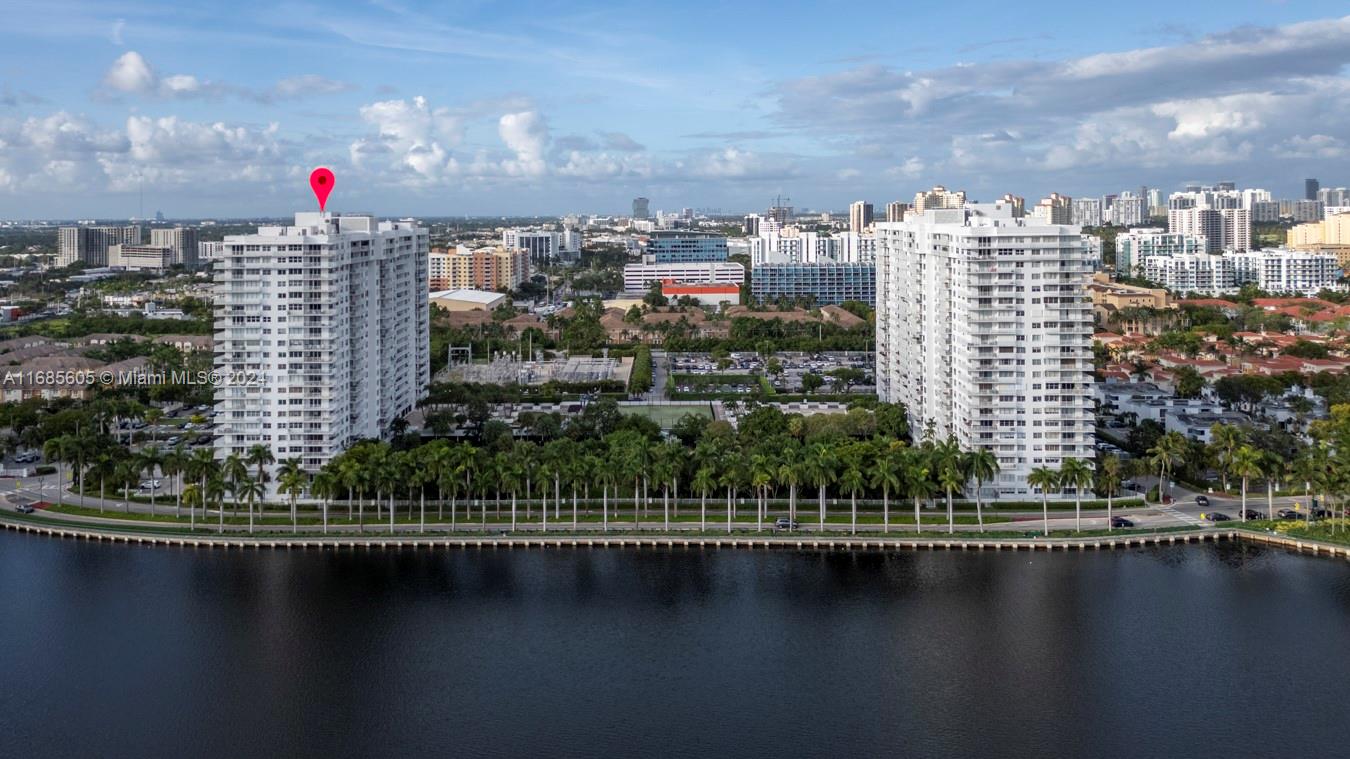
1274	304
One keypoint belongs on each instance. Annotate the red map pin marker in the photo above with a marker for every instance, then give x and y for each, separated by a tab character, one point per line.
321	182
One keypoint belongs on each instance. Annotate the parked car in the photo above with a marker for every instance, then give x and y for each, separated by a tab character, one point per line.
1252	514
1202	500
1121	522
24	508
1288	514
1216	516
783	523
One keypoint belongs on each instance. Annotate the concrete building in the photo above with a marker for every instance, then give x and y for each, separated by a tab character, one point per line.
208	251
1308	210
1129	210
466	300
1330	235
1113	303
1134	246
1087	212
142	257
1203	273
822	283
684	246
938	197
1310	188
984	332
896	210
482	269
181	240
1054	209
544	246
639	277
1283	271
89	245
704	295
322	331
1216	214
859	216
641	208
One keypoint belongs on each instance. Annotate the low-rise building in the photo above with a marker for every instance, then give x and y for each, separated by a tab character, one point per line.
467	300
638	277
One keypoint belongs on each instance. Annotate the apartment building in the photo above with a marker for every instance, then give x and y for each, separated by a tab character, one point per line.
321	334
984	332
859	216
822	283
669	246
938	197
181	240
1217	214
482	269
89	245
1134	246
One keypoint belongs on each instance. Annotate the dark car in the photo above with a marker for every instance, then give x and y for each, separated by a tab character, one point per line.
1216	516
1250	514
1202	500
783	523
1321	514
24	508
1288	514
1121	522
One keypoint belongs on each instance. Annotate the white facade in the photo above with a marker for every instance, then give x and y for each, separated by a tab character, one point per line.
984	332
638	277
1274	270
544	246
1282	271
1087	212
1203	273
1134	246
1217	214
321	334
182	240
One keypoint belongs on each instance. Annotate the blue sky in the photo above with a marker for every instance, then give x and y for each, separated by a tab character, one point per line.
215	109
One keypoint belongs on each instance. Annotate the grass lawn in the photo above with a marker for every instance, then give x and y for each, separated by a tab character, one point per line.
1326	530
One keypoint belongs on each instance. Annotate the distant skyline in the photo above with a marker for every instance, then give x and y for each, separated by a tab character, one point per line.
551	108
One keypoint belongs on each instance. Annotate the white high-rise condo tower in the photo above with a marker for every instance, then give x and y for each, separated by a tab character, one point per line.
984	332
321	334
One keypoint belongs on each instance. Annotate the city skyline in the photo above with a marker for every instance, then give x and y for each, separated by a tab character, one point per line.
487	111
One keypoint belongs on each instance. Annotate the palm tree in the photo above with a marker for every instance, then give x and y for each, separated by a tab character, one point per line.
1044	479
730	478
852	480
1110	478
235	471
951	475
511	473
1274	468
125	474
885	464
325	486
260	457
1164	454
917	480
1246	464
762	470
57	449
1224	441
174	465
148	461
705	479
790	472
982	465
1077	474
216	488
292	479
819	469
250	490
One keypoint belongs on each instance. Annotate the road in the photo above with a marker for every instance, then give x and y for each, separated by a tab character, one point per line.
1184	512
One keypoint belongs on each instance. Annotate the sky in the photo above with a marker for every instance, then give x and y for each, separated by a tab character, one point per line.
209	109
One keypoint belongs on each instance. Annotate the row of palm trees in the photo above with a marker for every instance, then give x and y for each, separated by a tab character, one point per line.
624	466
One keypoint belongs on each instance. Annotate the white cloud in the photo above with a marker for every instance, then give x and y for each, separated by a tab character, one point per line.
308	84
412	136
130	73
525	134
1313	146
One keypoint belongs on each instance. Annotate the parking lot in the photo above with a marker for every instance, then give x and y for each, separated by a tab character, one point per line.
791	368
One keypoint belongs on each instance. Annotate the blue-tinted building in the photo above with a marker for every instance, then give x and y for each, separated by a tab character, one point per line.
827	283
683	246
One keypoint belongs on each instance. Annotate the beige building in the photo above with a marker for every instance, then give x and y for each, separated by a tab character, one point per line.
141	257
938	197
1055	209
1111	299
1331	235
896	210
859	216
482	269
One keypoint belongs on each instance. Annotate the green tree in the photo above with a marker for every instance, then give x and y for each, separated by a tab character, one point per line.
1044	479
1076	474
